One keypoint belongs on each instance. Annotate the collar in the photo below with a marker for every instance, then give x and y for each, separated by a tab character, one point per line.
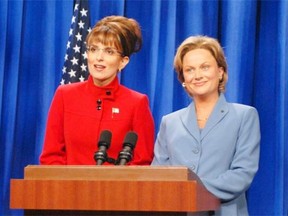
104	92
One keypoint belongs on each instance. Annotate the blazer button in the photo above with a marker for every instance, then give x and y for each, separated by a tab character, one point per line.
195	151
99	101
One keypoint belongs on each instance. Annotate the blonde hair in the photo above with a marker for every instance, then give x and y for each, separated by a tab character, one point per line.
124	33
201	42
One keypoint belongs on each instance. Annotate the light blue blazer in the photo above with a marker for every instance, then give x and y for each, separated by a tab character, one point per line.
224	154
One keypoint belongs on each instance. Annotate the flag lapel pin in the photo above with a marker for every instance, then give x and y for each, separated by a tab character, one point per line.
115	110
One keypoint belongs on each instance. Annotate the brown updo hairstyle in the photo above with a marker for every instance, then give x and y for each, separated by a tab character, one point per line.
121	32
201	42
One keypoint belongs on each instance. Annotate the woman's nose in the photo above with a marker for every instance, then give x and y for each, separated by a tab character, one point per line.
198	73
99	54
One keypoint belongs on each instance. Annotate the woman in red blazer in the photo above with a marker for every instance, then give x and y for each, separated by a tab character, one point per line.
81	111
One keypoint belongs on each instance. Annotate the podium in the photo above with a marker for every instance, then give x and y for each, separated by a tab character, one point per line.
110	190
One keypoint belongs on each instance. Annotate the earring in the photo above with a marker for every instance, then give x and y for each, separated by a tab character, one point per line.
183	85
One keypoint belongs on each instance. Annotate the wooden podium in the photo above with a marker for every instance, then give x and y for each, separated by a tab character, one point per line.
110	190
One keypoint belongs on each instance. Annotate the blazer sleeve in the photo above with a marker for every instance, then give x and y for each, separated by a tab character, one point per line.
143	125
237	179
160	149
54	143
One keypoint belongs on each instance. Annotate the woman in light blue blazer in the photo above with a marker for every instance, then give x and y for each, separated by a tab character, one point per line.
217	140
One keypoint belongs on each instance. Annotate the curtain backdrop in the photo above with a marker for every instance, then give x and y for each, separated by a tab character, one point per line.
254	35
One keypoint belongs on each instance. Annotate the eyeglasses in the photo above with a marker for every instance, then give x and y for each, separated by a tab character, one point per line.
108	51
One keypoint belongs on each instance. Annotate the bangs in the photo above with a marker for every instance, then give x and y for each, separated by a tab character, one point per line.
106	38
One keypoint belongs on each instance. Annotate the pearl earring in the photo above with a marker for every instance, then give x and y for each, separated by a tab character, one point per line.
183	85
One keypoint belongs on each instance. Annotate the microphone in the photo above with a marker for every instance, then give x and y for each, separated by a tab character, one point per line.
128	145
103	144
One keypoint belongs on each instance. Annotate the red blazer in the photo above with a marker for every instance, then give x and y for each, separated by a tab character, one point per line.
79	113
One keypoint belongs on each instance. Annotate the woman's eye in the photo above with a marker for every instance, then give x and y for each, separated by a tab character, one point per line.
109	51
189	70
205	67
92	49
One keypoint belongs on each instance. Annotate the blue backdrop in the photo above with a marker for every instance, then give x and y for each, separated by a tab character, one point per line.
254	35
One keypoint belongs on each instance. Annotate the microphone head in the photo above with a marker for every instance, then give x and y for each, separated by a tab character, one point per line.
103	144
129	143
130	139
105	138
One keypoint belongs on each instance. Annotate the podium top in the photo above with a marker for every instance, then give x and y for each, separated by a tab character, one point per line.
90	172
111	188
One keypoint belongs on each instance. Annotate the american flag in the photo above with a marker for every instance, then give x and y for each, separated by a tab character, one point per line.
75	65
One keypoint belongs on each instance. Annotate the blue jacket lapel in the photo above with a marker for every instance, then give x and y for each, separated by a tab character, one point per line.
189	118
218	113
